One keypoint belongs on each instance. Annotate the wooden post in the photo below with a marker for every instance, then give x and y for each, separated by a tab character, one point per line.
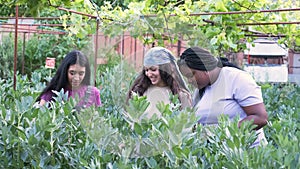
16	47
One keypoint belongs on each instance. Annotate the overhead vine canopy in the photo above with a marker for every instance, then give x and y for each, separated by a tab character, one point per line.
218	24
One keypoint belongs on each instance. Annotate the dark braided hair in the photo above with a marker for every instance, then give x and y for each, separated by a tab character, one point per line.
201	59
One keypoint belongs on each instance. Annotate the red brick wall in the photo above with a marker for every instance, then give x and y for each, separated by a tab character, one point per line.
132	49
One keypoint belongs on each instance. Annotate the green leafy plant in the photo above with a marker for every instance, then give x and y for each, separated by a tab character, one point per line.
116	135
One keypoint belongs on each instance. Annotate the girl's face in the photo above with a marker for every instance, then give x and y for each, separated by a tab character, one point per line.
197	78
76	74
153	74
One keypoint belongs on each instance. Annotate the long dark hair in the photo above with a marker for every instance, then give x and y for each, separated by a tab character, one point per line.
60	79
142	82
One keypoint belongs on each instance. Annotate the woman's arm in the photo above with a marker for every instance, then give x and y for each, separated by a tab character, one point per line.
97	97
249	96
256	112
185	99
45	97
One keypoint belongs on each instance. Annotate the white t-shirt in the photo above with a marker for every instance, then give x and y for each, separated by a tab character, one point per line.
233	88
154	95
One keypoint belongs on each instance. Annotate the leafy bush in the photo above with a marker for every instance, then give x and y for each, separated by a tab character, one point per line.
7	56
117	136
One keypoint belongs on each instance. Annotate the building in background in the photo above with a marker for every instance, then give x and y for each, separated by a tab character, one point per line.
267	61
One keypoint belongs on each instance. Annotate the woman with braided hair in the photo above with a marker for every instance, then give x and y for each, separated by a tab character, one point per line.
159	79
222	88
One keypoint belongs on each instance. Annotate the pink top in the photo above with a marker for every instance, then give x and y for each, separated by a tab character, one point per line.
94	96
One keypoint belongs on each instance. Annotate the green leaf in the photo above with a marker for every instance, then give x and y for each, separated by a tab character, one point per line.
236	141
138	129
170	156
32	140
151	162
213	41
230	144
177	151
173	137
220	6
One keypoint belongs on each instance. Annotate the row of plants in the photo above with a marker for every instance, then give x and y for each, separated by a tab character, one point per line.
117	136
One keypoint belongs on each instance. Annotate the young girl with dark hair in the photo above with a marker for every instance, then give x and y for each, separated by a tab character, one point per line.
73	75
159	79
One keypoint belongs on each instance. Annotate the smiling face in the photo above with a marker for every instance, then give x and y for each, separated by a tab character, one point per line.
152	72
76	74
197	78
